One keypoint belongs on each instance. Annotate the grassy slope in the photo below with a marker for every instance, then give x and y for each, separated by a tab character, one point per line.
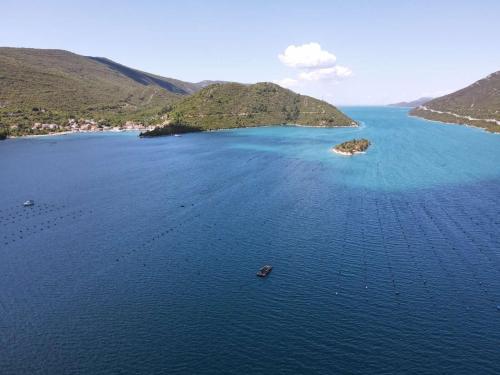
70	85
480	100
233	105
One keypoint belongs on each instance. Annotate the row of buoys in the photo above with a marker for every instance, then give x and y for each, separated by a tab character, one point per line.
492	234
18	207
363	248
343	246
448	273
24	213
32	208
387	256
440	236
416	267
26	231
482	249
147	244
474	244
464	260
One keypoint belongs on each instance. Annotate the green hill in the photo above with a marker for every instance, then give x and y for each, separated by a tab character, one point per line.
53	85
233	105
476	105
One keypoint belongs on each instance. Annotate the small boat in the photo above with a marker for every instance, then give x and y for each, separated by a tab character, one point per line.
264	271
29	203
177	135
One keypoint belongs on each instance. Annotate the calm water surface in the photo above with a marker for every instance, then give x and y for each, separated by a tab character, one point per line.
140	254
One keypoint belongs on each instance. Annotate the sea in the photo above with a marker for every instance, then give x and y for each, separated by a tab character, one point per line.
140	255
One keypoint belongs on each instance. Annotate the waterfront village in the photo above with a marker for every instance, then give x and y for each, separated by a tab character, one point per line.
86	125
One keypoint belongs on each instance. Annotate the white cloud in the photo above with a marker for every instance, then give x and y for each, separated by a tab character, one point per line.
286	82
324	74
307	56
313	63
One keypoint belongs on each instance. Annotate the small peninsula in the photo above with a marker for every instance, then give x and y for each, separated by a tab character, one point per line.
352	147
236	105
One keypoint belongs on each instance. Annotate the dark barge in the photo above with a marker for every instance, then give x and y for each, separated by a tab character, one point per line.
264	271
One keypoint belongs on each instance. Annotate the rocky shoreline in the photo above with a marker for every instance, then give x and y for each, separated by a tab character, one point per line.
344	153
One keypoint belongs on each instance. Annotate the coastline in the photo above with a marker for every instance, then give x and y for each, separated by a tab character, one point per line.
208	130
294	125
470	118
456	124
71	132
343	153
257	126
324	126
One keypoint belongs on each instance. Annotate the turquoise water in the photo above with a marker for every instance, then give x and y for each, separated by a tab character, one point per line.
405	153
140	254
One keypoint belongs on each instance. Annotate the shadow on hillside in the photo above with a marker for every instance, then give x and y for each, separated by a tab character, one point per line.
140	77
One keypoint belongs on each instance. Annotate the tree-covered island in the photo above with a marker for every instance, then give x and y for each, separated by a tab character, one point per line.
352	147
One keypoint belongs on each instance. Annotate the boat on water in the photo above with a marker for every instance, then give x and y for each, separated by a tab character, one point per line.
177	135
264	271
29	203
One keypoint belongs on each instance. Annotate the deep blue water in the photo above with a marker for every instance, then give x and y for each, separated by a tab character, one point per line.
140	254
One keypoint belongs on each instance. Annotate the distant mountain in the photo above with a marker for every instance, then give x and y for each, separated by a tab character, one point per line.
52	85
206	83
476	105
233	105
412	104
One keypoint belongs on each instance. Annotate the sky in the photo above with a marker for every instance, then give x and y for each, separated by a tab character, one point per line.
344	52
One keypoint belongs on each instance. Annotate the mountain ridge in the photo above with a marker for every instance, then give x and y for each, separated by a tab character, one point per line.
476	105
412	103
